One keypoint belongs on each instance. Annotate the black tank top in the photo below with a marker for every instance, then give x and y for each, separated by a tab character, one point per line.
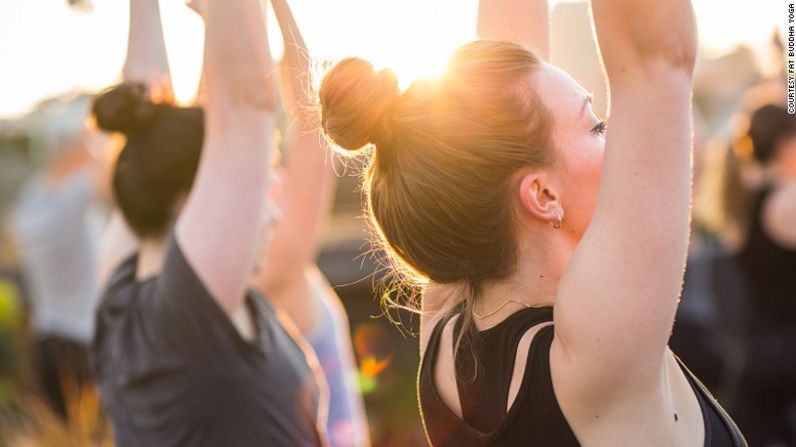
534	417
769	269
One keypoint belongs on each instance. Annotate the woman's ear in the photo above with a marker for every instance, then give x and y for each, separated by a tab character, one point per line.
539	198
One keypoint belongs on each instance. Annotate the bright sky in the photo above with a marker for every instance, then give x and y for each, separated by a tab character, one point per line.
46	48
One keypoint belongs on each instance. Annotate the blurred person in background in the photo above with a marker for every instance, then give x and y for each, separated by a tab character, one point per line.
755	218
186	353
57	227
287	273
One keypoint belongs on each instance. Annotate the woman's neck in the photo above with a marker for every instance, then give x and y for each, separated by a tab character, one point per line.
151	252
534	282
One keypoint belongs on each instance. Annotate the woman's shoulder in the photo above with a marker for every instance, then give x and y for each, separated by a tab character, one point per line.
124	276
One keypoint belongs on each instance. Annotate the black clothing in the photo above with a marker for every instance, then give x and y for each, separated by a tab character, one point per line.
766	395
720	430
534	417
63	368
174	371
770	272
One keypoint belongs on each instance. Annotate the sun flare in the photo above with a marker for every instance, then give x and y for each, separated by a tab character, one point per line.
55	49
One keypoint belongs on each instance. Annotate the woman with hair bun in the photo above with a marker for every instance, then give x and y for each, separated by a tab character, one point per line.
552	253
185	352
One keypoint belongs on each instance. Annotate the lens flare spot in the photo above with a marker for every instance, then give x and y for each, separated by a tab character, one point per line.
371	340
372	367
367	384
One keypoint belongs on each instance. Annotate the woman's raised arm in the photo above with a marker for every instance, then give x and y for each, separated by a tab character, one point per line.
308	180
616	302
147	63
220	225
146	50
523	21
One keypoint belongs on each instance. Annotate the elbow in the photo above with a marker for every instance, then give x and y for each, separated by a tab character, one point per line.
673	52
255	90
279	269
273	281
681	57
675	62
240	82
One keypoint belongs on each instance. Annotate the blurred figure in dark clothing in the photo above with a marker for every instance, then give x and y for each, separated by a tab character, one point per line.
767	389
757	225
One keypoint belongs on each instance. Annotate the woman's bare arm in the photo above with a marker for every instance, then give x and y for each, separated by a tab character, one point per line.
146	50
308	184
616	302
296	62
220	224
146	62
523	21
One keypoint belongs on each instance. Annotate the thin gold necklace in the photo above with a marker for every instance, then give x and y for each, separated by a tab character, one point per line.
481	317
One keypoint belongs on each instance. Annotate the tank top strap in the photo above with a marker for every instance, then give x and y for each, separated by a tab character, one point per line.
485	363
534	417
536	399
436	334
440	423
709	404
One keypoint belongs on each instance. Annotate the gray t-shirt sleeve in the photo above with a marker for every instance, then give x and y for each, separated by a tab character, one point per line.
186	316
173	370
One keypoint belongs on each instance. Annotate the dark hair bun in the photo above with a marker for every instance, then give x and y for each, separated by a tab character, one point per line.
124	108
767	126
355	102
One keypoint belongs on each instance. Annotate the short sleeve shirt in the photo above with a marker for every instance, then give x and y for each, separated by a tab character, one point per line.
174	371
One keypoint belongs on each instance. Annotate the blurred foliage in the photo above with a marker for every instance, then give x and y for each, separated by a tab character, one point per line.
25	419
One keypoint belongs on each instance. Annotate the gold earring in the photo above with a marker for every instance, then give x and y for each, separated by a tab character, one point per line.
557	224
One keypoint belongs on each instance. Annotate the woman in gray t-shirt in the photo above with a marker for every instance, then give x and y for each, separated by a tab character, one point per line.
185	353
